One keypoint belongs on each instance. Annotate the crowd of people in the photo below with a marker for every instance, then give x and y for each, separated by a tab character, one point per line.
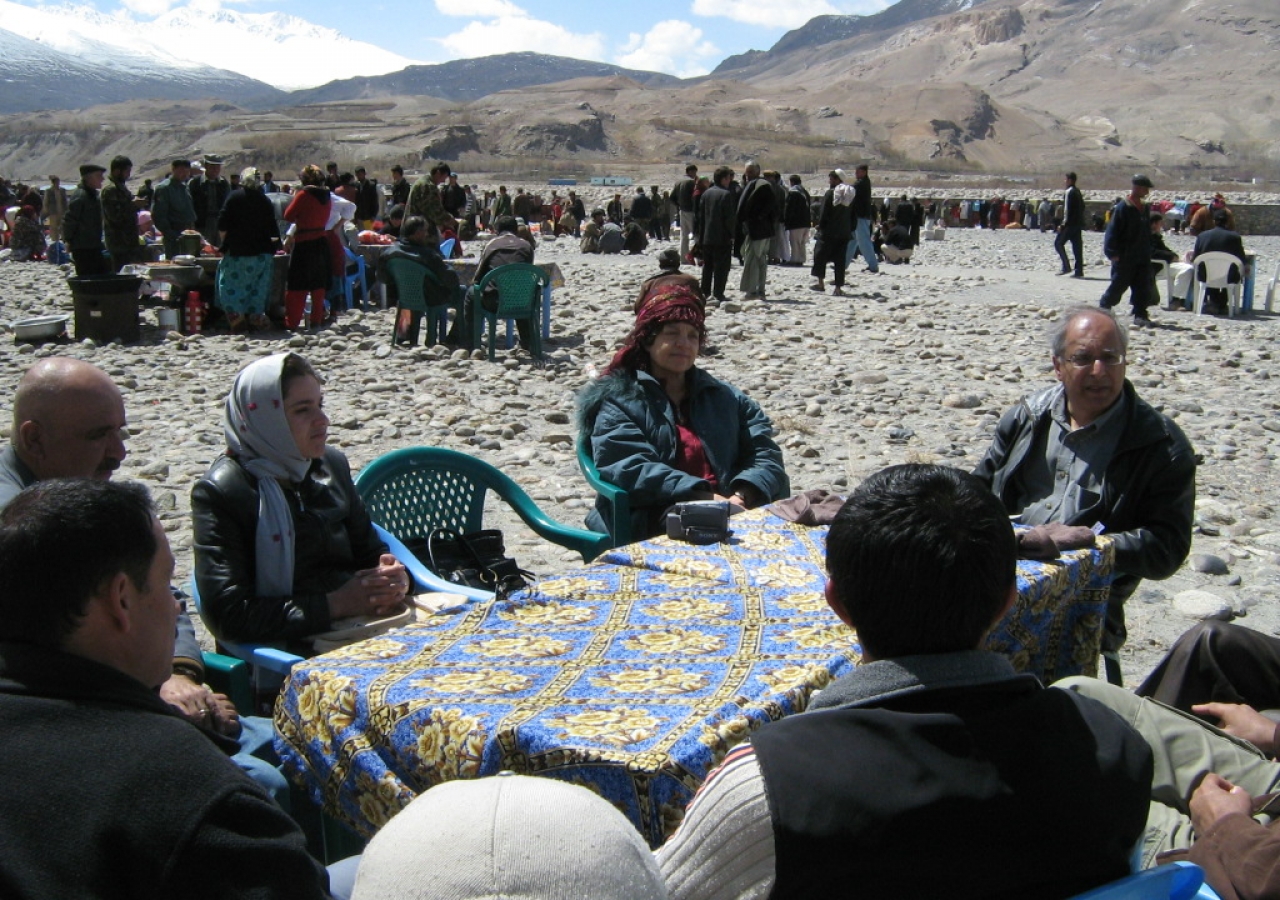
105	705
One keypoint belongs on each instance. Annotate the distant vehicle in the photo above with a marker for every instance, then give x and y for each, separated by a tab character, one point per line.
611	181
562	182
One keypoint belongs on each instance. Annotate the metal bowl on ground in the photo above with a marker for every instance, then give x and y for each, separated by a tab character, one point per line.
40	328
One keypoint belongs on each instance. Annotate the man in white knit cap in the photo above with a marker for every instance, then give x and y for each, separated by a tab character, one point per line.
508	836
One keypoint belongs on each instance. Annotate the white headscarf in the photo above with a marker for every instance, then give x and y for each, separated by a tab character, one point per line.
258	436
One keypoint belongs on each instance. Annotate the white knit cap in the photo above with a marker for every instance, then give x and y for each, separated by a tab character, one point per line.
508	837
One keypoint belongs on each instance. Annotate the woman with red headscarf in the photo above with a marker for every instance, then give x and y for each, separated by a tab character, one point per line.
666	431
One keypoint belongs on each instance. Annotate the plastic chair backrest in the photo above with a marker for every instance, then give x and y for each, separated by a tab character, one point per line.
411	491
1175	881
349	281
1217	268
618	499
519	289
408	276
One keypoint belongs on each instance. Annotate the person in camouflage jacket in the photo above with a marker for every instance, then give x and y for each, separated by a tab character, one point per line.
120	216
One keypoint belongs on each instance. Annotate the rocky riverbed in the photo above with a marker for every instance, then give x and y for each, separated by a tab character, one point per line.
915	364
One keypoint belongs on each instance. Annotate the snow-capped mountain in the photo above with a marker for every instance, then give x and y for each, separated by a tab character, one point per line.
37	76
281	50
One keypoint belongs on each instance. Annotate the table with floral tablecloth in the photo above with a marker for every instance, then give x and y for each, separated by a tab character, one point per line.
633	675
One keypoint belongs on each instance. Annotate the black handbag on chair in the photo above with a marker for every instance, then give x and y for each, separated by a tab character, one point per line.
477	560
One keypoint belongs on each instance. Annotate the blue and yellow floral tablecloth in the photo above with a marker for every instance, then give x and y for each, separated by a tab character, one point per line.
633	675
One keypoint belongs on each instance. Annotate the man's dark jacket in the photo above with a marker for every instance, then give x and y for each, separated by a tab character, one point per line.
757	209
835	222
1073	215
716	217
862	199
82	222
1148	494
949	775
795	211
110	794
1221	240
206	206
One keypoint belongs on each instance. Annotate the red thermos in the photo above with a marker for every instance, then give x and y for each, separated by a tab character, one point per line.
194	313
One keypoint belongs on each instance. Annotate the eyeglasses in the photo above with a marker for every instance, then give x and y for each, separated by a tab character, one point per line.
1086	360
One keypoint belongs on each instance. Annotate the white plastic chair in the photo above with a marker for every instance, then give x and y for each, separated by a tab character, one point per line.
1177	278
1217	274
1271	288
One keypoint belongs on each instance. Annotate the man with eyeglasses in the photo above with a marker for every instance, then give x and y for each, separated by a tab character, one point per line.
1089	455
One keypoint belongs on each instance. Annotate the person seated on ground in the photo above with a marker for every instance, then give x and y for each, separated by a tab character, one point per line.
283	544
1221	238
664	430
930	735
1089	455
27	243
613	239
592	231
416	243
506	248
897	246
634	239
110	792
1212	796
668	280
1225	673
584	847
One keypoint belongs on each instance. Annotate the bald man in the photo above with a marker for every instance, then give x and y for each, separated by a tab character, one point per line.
69	422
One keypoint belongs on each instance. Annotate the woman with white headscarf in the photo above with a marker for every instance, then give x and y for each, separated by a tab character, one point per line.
283	545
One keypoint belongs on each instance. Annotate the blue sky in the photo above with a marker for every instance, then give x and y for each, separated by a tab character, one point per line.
680	37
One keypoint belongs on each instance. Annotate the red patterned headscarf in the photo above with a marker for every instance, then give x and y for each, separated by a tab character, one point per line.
675	303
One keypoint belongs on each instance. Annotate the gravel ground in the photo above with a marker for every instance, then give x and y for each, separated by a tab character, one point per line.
916	364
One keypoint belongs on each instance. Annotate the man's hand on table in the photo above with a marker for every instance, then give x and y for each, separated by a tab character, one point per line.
1048	541
1216	798
1242	721
201	706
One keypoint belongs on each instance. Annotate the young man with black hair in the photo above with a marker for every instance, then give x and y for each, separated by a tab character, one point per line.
111	792
933	769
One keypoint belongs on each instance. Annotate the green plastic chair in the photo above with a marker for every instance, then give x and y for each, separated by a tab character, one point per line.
409	277
519	297
230	676
619	501
411	491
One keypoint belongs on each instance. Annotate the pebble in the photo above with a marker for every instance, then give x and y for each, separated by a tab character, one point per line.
918	362
1201	605
1208	564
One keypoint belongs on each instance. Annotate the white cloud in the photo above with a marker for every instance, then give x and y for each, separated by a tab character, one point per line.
478	9
513	34
778	13
671	46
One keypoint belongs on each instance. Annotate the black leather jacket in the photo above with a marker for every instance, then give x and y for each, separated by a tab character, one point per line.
333	539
